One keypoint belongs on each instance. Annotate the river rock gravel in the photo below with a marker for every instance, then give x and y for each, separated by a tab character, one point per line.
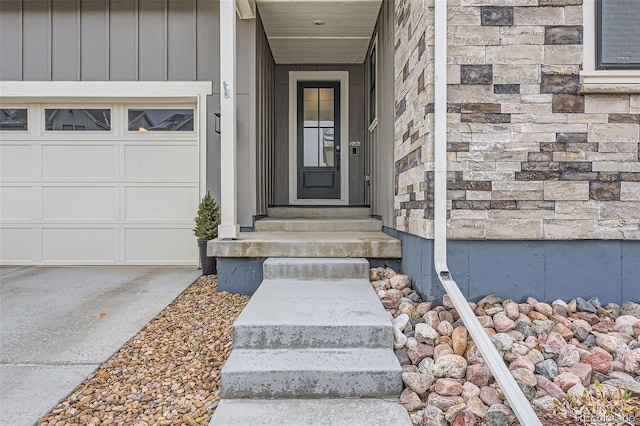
168	373
550	350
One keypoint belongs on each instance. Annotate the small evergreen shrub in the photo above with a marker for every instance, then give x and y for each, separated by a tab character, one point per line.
208	219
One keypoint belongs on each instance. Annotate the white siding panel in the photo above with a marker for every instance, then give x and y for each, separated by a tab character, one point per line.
168	203
79	202
16	244
15	161
86	162
161	162
78	245
172	246
16	203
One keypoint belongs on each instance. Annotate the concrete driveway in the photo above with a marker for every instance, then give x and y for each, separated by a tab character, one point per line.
58	324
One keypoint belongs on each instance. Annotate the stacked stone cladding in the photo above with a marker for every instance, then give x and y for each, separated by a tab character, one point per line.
529	156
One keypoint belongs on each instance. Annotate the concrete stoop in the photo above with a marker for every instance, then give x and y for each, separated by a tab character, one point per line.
312	351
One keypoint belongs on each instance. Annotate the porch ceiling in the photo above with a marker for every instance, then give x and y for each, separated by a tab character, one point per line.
295	39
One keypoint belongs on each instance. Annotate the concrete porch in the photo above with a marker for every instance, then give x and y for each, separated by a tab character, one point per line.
321	232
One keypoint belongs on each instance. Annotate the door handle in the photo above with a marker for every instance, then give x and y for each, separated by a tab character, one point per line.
338	157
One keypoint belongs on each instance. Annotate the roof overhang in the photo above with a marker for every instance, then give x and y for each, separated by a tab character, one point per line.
319	31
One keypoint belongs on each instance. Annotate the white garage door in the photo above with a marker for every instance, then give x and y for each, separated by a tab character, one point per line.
109	183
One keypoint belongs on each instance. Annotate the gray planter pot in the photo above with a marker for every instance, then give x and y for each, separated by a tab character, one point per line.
208	263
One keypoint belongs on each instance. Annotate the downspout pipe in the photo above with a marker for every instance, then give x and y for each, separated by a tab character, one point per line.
518	402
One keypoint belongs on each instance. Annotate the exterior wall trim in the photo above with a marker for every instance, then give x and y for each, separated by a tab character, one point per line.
343	78
179	91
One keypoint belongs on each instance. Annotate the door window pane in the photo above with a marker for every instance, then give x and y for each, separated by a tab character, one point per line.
13	119
310	107
319	124
311	147
326	107
327	147
160	120
77	119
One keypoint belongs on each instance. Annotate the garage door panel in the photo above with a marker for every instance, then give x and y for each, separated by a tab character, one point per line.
78	161
74	244
16	245
80	197
167	245
161	162
85	202
161	203
16	203
15	161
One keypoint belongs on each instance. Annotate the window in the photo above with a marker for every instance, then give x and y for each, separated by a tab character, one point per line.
13	119
607	35
77	119
160	120
373	101
618	34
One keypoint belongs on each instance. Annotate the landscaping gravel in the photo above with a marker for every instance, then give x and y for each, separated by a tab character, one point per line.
551	349
168	373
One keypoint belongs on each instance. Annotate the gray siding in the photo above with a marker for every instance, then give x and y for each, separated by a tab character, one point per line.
546	270
356	129
380	140
265	114
136	40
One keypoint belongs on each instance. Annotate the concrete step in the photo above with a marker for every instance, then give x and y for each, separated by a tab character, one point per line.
296	412
309	212
311	373
315	268
307	314
308	244
322	224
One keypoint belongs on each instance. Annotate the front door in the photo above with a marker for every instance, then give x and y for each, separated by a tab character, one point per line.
318	139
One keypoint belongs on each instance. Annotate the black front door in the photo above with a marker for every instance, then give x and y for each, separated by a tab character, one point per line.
318	140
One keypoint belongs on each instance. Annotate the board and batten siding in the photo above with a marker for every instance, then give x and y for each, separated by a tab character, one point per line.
136	40
265	129
380	141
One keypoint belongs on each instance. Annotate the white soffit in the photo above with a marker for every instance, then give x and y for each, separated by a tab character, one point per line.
295	39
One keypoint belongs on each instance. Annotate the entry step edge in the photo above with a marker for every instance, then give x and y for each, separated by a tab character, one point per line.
315	212
311	412
315	268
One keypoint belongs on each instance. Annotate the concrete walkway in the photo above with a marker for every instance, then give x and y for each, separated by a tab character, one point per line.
57	325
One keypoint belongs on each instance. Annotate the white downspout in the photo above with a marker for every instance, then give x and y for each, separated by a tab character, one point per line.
228	228
518	402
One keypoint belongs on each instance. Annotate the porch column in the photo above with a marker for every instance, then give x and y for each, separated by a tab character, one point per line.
229	228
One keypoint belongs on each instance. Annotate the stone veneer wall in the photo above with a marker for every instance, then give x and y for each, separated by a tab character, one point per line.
529	156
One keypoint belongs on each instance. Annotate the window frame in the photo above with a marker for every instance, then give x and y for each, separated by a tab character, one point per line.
593	80
77	106
599	64
29	117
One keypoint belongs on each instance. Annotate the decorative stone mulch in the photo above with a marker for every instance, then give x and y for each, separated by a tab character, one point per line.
168	373
551	349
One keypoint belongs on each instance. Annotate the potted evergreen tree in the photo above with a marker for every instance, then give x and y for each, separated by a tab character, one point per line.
206	229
